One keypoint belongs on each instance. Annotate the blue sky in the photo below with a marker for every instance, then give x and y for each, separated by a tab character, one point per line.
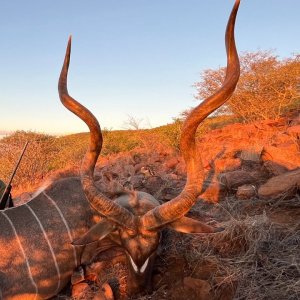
133	57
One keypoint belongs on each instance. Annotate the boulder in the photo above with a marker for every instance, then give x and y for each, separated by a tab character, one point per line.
274	169
246	191
283	184
153	183
284	157
137	181
250	155
234	179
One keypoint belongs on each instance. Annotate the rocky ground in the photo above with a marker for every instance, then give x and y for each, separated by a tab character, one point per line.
252	177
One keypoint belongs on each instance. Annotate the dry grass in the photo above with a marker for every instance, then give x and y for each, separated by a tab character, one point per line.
257	256
44	156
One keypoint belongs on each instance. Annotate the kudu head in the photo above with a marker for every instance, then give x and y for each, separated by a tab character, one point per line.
134	220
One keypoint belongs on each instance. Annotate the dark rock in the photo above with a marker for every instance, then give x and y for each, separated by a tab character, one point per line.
234	179
246	191
283	184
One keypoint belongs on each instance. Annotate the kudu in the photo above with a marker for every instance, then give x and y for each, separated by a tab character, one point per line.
42	241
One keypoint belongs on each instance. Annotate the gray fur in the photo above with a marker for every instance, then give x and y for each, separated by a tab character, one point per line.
36	254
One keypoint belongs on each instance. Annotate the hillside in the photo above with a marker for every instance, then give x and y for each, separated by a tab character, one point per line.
250	188
47	155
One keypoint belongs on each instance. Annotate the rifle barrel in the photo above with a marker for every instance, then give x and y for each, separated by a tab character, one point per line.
17	165
8	186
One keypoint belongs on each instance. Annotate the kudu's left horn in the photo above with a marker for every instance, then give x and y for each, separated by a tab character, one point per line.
97	200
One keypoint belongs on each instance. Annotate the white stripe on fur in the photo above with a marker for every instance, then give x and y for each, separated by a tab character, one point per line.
23	252
66	224
49	245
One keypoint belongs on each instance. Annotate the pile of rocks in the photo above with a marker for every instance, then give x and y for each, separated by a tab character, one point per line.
266	164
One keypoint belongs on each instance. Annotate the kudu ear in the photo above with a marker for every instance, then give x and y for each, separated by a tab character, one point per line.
188	225
96	233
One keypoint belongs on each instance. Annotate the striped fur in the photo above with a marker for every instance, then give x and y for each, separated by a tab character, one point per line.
36	255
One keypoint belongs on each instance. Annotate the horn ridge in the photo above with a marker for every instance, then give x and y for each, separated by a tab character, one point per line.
180	205
97	200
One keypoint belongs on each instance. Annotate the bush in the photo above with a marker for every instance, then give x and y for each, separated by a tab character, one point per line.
170	134
119	141
36	161
268	87
47	154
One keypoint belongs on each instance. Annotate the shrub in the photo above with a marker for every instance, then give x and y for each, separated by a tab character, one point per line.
36	161
170	134
267	88
119	141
